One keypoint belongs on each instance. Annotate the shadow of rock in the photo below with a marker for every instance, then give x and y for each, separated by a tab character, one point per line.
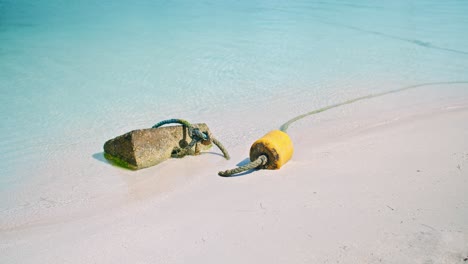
100	157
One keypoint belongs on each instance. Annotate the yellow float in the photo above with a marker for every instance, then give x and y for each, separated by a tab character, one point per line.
276	145
271	152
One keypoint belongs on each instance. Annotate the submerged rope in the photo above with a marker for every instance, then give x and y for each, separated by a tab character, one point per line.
262	160
196	135
286	125
418	42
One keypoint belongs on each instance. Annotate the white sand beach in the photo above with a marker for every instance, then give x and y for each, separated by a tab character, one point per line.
381	176
380	181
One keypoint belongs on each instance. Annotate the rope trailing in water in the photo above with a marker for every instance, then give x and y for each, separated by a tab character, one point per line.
196	135
286	125
262	160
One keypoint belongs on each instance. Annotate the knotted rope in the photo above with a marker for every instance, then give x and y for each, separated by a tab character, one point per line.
196	135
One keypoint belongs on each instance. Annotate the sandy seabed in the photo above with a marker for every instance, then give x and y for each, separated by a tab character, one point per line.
383	181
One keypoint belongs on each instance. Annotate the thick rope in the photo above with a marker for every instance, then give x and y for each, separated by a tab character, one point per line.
221	147
286	125
260	161
174	121
196	136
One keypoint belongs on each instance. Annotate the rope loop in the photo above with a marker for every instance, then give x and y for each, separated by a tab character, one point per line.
196	135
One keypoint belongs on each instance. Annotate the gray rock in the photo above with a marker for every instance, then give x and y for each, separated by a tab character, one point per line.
143	148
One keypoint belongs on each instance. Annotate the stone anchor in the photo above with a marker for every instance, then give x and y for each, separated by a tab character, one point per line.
143	148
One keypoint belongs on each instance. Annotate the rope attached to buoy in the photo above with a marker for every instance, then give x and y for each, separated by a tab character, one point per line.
197	136
271	152
282	141
262	160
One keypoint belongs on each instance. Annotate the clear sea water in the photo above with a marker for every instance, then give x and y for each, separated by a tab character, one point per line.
76	73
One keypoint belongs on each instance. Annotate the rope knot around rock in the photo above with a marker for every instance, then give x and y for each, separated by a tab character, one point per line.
197	136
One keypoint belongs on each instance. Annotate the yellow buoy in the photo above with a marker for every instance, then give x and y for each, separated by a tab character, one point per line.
276	145
269	152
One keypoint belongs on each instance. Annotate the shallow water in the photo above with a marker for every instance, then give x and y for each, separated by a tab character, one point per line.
74	74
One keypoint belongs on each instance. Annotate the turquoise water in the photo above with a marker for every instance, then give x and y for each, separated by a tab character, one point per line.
76	73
